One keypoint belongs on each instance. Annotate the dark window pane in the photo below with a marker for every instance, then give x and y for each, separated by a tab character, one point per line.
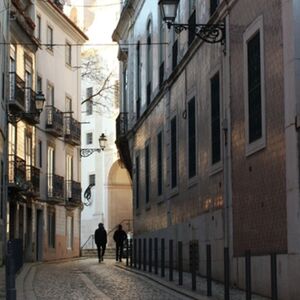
192	27
254	89
147	173
215	119
173	153
192	137
213	6
174	54
159	163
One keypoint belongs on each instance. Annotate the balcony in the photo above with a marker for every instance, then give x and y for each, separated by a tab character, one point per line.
55	188
31	115
33	180
72	131
122	141
73	192
54	121
16	172
16	93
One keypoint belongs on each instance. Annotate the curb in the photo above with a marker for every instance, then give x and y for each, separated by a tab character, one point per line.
171	286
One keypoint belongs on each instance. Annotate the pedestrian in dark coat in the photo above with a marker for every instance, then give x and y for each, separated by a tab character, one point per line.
100	240
119	237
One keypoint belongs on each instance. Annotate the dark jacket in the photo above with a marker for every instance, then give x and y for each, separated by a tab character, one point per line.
100	236
120	236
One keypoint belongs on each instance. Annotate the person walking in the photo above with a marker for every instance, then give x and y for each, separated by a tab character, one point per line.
100	240
119	237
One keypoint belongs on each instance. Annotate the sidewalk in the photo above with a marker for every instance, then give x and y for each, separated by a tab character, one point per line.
186	288
2	282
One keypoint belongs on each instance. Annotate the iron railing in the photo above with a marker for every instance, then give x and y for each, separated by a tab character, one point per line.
16	170
16	91
72	130
54	121
55	186
33	176
73	192
122	124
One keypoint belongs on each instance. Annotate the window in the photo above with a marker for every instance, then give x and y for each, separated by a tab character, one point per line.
174	54
49	38
28	156
68	49
125	88
39	84
192	26
89	138
137	182
254	87
40	154
147	173
69	232
192	138
162	48
173	152
89	103
159	163
51	229
215	119
50	94
213	6
138	80
92	179
38	27
149	62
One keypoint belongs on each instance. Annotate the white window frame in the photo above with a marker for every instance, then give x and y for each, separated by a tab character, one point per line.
256	26
39	27
68	54
50	38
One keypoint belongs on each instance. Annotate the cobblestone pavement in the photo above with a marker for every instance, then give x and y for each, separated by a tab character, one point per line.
86	279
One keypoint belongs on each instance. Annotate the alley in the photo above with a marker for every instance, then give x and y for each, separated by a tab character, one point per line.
86	279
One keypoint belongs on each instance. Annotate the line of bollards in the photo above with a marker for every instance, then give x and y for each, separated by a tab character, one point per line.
141	253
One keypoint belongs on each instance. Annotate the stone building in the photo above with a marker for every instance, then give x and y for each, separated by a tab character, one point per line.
209	133
57	214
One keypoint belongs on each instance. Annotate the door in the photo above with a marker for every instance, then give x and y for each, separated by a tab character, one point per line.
39	235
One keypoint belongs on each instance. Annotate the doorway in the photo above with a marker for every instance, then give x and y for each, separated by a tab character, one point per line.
39	235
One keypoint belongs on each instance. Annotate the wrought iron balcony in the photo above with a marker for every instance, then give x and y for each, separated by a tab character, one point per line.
73	192
55	187
33	179
122	141
72	131
31	115
16	171
16	92
54	121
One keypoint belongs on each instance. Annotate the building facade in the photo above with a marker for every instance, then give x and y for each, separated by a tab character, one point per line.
58	211
203	127
3	122
106	186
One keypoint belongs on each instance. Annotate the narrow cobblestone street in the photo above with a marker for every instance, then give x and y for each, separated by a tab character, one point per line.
87	279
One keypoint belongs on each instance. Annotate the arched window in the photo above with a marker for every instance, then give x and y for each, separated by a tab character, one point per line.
149	61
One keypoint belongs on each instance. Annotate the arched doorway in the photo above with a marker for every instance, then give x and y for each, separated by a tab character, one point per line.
119	204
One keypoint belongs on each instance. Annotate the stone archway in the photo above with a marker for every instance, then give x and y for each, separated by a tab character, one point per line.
119	196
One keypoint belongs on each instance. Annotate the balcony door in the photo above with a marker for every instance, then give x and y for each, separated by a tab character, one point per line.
68	114
12	73
50	171
69	175
28	85
28	156
11	152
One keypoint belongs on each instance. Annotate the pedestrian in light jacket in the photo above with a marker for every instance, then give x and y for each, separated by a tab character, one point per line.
100	240
119	237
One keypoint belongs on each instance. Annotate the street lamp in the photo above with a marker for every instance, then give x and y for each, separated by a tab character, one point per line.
210	33
85	152
39	101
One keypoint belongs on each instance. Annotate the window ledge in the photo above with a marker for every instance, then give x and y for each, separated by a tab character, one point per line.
216	168
255	147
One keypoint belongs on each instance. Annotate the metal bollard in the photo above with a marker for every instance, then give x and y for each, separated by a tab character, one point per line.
193	265
150	255
140	254
144	255
248	274
130	253
180	263
162	258
134	253
208	270
11	293
226	273
156	256
274	277
171	260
